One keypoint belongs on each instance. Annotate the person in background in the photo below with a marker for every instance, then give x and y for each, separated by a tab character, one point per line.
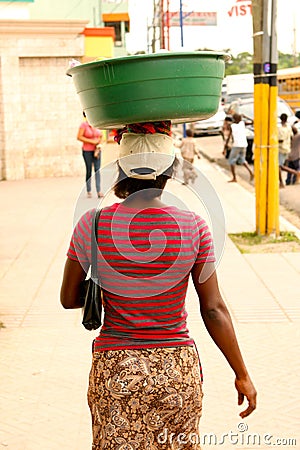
146	376
188	149
91	151
225	132
285	134
239	144
294	157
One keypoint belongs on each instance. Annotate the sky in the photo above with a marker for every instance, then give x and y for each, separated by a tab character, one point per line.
233	30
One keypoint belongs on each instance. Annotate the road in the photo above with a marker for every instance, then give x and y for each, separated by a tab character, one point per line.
212	146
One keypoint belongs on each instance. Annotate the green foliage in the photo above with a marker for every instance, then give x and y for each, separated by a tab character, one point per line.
252	238
286	60
253	243
243	62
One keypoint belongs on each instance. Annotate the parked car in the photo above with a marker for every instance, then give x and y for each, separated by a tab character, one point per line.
245	107
227	99
211	126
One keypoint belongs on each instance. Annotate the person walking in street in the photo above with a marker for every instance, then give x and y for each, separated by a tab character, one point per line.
294	157
146	377
91	151
285	134
188	149
239	144
226	127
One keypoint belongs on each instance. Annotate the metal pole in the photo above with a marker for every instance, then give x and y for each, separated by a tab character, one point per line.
181	22
261	120
162	24
154	27
273	165
168	24
265	117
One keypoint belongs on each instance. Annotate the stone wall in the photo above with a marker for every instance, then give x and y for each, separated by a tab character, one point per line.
40	111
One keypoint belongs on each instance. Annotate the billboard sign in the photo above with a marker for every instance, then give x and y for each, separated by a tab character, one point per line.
193	18
240	8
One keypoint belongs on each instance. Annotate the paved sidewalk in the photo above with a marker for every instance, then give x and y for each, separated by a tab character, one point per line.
45	352
211	147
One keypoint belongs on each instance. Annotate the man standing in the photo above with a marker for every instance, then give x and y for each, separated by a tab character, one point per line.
239	145
285	135
294	158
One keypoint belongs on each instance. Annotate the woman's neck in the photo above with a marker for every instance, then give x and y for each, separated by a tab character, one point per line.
141	201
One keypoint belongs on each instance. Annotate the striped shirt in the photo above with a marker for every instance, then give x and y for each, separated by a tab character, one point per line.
144	261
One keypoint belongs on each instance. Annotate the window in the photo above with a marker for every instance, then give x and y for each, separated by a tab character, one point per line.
118	30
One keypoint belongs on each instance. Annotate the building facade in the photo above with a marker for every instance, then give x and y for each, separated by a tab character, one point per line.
98	13
39	108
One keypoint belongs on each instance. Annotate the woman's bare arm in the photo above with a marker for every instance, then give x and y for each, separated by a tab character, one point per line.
82	138
74	274
218	322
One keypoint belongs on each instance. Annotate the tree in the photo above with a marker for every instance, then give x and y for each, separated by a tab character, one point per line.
243	62
286	60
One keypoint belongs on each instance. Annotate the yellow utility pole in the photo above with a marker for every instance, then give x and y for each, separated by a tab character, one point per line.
265	116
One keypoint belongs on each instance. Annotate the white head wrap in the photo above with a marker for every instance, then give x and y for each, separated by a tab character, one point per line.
146	156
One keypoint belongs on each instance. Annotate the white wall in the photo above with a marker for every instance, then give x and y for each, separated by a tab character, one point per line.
40	111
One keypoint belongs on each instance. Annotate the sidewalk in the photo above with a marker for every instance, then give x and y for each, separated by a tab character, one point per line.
211	148
45	351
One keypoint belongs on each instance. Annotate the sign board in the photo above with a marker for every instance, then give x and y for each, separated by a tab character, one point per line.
240	8
193	18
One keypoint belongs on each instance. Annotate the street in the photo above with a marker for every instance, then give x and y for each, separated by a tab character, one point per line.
212	146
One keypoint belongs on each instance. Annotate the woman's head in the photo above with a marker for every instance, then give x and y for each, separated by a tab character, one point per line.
237	117
189	132
146	158
126	186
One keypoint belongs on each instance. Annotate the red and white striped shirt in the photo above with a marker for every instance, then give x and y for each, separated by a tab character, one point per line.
144	261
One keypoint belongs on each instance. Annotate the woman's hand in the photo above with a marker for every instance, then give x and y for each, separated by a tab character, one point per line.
245	388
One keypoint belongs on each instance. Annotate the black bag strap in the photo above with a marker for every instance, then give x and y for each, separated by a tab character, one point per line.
94	245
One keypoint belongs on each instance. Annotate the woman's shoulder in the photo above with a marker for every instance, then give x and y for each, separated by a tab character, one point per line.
187	215
83	125
86	218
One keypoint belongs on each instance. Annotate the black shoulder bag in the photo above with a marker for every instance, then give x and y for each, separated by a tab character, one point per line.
91	290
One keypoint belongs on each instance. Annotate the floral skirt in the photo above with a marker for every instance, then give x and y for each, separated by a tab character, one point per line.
146	399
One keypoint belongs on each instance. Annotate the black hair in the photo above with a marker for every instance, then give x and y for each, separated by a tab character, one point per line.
126	186
189	132
284	117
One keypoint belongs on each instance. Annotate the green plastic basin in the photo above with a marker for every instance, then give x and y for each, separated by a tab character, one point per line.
181	86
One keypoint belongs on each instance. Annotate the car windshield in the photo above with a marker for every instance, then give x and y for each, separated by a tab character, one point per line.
229	98
246	109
